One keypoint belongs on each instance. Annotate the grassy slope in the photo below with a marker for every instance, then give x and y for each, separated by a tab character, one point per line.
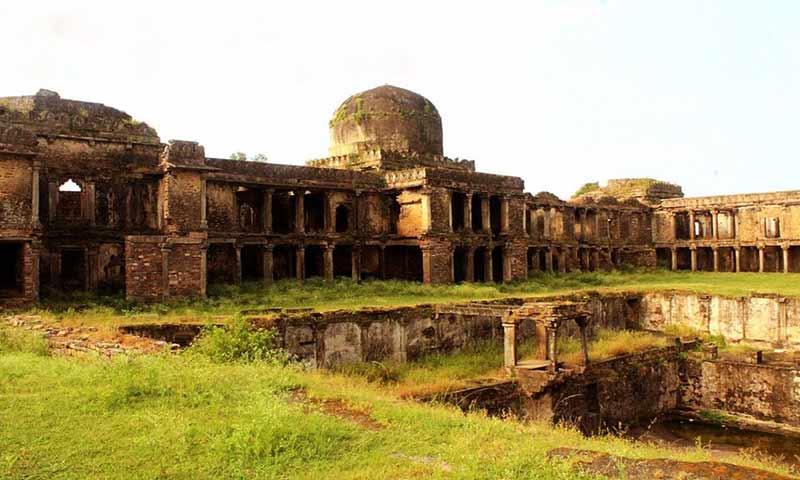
184	417
228	300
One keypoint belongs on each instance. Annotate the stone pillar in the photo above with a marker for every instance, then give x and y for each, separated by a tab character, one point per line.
691	225
504	214
203	268
584	342
355	262
674	252
507	277
165	271
734	228
468	212
509	344
715	250
548	259
267	261
737	255
715	224
673	225
761	258
327	260
300	262
237	273
299	212
470	264
426	264
552	347
595	259
35	223
785	251
266	212
89	202
203	205
92	253
487	266
562	261
329	216
582	218
485	218
693	250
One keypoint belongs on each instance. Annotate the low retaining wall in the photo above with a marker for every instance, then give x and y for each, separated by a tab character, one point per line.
765	319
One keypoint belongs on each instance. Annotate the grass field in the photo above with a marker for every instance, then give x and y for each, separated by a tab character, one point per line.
224	301
190	417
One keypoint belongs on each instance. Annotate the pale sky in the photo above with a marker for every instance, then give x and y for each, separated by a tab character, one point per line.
705	94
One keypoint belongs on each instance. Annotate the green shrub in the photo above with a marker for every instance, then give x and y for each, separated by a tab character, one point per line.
239	342
19	340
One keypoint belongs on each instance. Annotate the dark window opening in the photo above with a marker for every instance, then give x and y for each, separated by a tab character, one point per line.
283	262
772	228
477	216
342	219
497	264
394	214
528	222
458	201
404	263
480	265
342	261
495	212
283	205
221	263
682	227
533	260
705	259
664	258
11	273
250	203
542	260
69	200
252	262
684	259
370	262
314	212
556	264
540	226
459	264
314	261
73	270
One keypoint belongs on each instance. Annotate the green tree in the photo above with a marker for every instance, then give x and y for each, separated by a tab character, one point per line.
238	156
586	188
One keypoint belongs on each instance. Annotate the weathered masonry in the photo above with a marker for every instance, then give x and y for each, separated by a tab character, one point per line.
91	199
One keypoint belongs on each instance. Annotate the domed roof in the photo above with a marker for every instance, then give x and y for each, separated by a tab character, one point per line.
387	117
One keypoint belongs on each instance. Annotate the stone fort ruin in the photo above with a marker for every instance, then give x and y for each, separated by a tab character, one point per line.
91	199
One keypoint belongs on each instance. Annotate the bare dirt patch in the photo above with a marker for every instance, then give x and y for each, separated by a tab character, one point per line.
337	408
658	468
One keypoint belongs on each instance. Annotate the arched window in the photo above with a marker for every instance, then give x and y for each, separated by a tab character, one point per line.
342	219
69	200
247	218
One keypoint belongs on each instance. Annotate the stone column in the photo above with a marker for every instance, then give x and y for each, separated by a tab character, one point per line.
504	214
562	261
674	252
267	261
548	259
673	225
584	343
582	218
203	268
595	259
35	223
470	264
452	264
693	250
52	200
487	266
761	258
266	212
427	271
327	260
468	212
355	262
507	264
737	256
691	225
203	205
237	273
300	262
734	228
715	250
89	202
329	217
299	212
715	224
552	347
509	344
165	271
785	251
485	217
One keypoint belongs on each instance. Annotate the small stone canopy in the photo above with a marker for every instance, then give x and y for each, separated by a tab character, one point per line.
548	317
388	118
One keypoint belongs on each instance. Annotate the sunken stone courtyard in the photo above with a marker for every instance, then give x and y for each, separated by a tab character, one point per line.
382	312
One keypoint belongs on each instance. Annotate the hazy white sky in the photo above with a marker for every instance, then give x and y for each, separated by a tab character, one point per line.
701	93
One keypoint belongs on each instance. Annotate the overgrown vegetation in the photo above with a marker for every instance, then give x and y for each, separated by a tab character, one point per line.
586	188
16	340
608	344
238	342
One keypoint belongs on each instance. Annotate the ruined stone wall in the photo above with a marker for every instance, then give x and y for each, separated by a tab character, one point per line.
764	392
143	268
373	214
182	202
437	262
185	268
15	193
414	213
221	207
769	319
